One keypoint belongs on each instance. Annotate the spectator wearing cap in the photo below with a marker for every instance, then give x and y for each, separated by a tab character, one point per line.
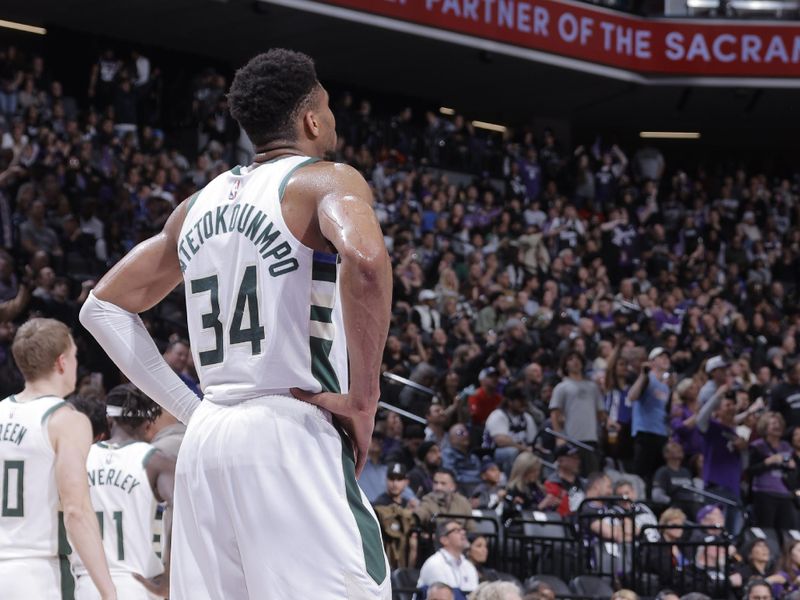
510	429
490	492
717	371
785	397
650	395
425	314
565	485
770	460
576	408
457	457
396	485
448	564
486	398
429	458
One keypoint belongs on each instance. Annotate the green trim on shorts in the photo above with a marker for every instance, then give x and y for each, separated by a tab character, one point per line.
285	180
371	540
64	550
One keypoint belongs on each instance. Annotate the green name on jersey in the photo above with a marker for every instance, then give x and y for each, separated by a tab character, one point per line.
12	432
246	220
115	477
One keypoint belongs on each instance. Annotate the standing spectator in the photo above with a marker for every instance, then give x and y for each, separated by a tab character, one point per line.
722	453
769	462
618	406
576	408
486	398
650	394
717	371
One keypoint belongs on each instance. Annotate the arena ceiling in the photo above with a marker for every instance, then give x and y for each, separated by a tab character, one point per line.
488	87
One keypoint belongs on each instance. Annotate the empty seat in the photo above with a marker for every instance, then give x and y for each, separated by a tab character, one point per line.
404	583
589	585
558	586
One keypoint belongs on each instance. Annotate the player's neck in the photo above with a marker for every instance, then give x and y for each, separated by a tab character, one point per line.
276	150
39	388
119	435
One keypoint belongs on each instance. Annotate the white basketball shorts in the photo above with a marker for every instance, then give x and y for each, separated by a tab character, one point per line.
127	588
28	578
267	507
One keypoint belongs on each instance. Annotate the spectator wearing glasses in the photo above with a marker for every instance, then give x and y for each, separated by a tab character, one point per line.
457	457
448	564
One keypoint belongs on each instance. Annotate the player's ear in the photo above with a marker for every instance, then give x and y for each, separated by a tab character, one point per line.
311	123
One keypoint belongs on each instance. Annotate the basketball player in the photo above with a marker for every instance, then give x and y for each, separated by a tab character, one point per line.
288	283
127	479
43	448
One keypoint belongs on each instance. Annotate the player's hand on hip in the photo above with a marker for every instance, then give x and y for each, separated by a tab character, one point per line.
158	585
358	424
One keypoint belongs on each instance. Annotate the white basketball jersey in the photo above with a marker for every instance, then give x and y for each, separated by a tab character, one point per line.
125	506
263	309
29	501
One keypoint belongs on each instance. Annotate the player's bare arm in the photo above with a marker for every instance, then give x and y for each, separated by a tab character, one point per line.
161	473
71	437
346	220
136	283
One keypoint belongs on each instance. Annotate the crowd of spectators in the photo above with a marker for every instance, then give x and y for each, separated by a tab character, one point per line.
577	313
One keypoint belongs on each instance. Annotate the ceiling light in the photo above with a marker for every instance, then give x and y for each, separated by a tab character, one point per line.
447	111
670	135
489	126
23	27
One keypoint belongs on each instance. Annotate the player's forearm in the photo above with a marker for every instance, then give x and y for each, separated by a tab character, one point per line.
126	341
84	535
366	292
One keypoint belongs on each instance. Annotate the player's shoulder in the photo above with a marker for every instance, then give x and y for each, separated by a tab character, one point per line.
331	173
65	417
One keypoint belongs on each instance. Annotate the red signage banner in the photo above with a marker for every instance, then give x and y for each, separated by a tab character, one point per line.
654	47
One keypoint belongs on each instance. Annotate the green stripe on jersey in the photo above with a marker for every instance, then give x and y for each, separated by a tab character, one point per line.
321	271
371	541
321	367
321	314
192	200
51	410
285	180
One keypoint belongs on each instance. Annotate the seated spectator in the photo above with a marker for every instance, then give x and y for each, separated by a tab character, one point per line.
457	457
396	485
177	355
539	590
643	515
758	589
496	590
789	567
758	565
510	429
489	494
669	479
565	484
666	560
605	526
373	478
420	478
448	564
444	500
436	427
36	235
770	461
478	555
439	591
525	490
413	436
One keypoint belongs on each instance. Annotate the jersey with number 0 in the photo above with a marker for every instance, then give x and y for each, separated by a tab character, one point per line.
125	506
263	309
28	493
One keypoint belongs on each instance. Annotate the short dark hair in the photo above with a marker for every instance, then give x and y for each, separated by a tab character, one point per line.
447	471
268	91
137	407
93	407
